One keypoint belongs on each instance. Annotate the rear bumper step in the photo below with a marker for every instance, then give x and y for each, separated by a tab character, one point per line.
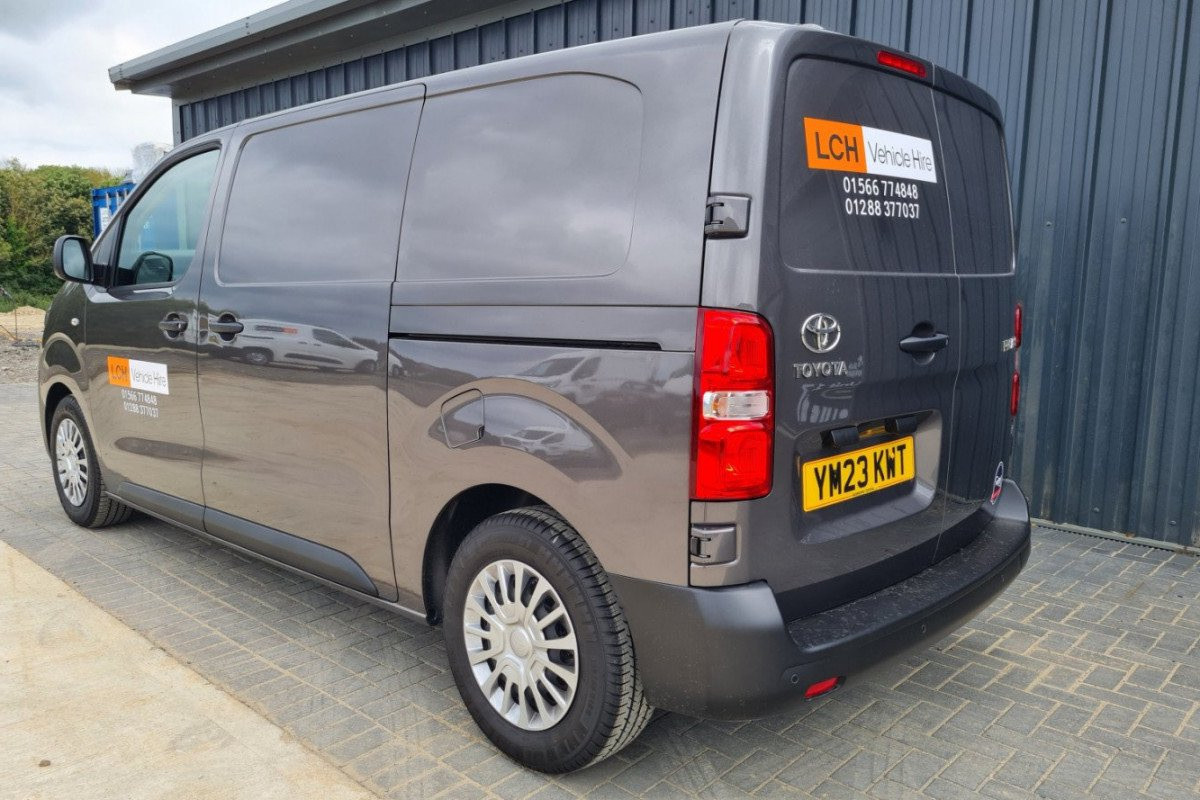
728	653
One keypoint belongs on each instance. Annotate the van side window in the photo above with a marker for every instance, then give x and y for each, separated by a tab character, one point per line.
319	200
534	179
158	236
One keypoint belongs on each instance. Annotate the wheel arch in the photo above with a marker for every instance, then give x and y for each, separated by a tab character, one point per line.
458	518
55	393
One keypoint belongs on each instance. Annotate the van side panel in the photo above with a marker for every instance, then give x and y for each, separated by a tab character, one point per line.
667	85
294	399
569	180
600	433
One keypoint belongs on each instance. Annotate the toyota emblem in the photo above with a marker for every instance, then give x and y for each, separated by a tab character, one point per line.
820	333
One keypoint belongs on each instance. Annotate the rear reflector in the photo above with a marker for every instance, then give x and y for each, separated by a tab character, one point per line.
902	63
733	432
1018	324
1014	398
822	687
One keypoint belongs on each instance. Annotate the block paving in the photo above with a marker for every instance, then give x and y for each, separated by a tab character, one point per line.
1082	680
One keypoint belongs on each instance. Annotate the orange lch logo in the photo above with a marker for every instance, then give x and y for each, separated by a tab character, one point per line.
834	145
118	371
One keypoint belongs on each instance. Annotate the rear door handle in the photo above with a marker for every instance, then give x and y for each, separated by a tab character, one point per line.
922	345
226	325
173	323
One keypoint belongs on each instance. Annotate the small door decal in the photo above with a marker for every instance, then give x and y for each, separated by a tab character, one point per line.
146	376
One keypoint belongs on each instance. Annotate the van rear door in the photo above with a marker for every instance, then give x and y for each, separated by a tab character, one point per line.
865	248
856	254
976	178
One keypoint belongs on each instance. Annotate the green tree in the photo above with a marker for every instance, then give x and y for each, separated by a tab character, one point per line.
36	207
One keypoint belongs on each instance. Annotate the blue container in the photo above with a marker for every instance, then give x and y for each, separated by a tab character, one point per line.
105	202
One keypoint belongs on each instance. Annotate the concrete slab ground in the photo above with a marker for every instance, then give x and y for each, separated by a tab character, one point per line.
1082	680
88	708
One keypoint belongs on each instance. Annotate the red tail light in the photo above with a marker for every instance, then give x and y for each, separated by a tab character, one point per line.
733	432
1014	395
902	63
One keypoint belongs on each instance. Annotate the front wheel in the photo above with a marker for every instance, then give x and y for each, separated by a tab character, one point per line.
538	644
77	471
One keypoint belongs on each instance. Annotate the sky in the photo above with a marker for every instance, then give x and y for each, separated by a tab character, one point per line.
57	105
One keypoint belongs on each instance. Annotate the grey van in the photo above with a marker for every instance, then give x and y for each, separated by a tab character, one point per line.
678	371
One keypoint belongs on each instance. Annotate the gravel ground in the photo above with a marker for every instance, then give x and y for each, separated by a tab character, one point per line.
18	363
23	323
20	334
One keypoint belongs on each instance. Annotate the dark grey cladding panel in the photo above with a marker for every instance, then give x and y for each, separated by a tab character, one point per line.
1101	117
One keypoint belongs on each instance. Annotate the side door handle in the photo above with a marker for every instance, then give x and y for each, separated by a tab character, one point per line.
173	323
924	345
226	326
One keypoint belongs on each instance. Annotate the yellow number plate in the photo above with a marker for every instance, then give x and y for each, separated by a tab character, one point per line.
840	478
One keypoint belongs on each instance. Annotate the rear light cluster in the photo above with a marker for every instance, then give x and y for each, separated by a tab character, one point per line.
1014	396
733	433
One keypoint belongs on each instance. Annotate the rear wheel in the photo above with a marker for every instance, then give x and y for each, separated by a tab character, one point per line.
538	644
77	475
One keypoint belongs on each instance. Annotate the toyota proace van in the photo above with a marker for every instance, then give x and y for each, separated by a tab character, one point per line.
677	371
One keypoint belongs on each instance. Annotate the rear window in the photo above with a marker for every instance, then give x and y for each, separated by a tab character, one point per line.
882	174
978	186
839	122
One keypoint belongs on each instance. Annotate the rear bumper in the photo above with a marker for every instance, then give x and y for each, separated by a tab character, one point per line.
728	653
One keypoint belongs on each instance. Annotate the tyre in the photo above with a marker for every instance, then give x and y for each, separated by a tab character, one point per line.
538	645
258	358
76	471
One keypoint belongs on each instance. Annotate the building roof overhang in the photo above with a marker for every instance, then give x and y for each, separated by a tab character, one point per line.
287	39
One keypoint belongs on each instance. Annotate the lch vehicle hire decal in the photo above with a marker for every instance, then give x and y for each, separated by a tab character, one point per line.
846	147
146	376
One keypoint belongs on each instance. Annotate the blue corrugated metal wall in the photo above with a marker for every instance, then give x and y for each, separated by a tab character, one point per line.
1101	107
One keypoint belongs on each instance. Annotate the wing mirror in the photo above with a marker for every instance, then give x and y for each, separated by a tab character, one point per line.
73	259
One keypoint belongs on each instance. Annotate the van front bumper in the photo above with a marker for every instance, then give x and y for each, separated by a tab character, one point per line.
728	653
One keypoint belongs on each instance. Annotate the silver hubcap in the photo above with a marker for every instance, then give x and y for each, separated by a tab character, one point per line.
521	644
70	457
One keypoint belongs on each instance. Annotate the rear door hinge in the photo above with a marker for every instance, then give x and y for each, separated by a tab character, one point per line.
726	215
713	544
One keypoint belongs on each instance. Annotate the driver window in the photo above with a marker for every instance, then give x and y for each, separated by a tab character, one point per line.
159	236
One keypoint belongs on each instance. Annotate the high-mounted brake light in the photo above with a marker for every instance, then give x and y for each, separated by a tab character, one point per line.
902	63
733	433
